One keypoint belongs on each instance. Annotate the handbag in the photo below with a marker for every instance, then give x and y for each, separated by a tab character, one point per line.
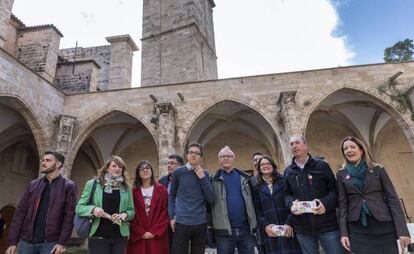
83	224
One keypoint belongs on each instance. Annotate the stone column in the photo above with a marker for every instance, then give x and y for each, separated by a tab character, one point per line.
120	70
288	117
166	134
64	140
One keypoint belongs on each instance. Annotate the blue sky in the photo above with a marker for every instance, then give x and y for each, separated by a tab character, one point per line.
252	37
373	25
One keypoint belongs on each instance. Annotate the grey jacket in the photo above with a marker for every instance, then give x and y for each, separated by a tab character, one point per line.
220	216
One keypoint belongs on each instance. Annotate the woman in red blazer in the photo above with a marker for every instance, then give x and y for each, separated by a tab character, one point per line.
149	233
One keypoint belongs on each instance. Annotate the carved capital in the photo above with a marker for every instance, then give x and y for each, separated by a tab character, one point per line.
287	97
164	107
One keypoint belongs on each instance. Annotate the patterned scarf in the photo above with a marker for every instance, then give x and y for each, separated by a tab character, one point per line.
112	182
358	175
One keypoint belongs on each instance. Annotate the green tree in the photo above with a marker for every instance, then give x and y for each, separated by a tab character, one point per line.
401	51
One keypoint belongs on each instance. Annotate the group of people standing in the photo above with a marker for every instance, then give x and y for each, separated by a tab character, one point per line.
357	212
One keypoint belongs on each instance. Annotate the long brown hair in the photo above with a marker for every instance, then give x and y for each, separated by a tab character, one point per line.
138	180
366	155
118	161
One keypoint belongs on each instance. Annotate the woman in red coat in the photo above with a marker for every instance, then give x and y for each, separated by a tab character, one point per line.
149	233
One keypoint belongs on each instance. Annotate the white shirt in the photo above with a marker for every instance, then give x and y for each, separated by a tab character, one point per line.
147	196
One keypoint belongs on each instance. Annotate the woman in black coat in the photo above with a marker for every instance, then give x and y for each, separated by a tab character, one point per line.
269	199
371	218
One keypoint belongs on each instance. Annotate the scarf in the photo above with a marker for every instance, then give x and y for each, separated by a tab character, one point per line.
112	182
358	175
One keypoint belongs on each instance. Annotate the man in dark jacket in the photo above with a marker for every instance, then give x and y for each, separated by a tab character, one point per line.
174	161
310	179
43	220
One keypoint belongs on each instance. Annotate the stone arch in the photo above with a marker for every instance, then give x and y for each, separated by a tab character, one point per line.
22	141
196	117
93	121
403	121
100	143
387	133
22	106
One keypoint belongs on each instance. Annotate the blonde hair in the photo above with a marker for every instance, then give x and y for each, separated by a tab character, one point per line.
118	161
366	155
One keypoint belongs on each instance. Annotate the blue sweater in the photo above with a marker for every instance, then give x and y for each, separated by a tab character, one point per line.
188	194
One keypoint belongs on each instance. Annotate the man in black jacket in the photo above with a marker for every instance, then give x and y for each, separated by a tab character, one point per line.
310	179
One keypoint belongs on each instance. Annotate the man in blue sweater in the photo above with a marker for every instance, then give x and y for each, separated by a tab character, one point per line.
190	189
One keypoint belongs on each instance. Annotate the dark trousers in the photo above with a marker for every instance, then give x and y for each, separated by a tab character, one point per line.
241	238
183	234
100	245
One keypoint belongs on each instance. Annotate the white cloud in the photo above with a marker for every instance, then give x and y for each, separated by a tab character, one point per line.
252	37
276	36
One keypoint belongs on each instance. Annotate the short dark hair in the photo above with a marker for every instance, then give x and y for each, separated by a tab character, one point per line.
256	153
58	156
177	157
195	144
138	180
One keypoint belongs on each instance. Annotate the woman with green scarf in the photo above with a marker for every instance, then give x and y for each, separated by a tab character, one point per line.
112	207
371	218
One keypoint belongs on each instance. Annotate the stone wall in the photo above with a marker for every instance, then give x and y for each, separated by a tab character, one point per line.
178	42
81	77
101	55
5	12
37	47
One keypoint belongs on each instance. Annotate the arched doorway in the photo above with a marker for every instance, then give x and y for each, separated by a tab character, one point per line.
19	156
7	215
116	133
238	126
351	112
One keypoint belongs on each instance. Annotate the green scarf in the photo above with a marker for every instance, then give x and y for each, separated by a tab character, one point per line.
358	175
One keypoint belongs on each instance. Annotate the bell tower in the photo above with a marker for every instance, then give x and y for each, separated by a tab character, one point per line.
177	42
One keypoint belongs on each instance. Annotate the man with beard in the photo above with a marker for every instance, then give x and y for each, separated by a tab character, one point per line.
43	220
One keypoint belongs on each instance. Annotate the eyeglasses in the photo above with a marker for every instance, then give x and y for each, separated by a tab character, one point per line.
226	157
172	163
144	168
265	164
193	153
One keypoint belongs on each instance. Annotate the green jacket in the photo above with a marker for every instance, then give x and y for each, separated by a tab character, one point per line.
125	205
221	222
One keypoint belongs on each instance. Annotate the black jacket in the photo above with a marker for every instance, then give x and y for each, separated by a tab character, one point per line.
316	181
165	180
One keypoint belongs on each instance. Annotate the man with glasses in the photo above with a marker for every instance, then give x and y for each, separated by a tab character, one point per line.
234	218
190	190
174	161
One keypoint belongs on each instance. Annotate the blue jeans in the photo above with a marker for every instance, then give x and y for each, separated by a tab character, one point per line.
330	242
241	239
35	248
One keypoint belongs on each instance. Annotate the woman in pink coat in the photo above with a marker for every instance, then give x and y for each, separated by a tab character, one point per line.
149	233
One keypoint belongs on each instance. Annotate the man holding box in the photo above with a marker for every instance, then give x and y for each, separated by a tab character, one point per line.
311	180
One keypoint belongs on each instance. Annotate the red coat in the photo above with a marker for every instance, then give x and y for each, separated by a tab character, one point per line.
156	222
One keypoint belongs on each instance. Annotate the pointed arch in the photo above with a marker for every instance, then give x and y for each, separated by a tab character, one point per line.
227	115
